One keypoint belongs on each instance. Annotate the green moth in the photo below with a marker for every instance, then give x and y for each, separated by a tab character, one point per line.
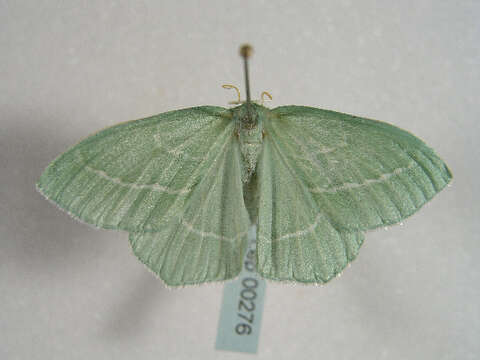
187	185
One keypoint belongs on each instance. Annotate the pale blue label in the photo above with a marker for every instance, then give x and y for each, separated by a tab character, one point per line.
242	306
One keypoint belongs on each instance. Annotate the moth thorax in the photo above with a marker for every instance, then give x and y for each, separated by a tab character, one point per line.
250	147
249	124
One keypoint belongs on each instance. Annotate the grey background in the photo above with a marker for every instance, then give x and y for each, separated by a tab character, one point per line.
70	68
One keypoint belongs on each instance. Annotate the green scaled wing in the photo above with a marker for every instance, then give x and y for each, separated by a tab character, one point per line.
361	173
207	241
324	178
136	175
295	239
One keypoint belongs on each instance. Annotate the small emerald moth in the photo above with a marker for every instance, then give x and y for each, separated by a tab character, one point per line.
187	185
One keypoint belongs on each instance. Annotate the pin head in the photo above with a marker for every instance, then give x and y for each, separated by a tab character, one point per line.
246	50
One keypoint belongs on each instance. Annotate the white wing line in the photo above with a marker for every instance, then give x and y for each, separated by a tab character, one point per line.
322	149
178	150
211	234
153	187
298	233
309	156
175	152
367	182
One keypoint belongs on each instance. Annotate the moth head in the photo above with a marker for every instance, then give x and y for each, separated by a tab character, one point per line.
246	116
249	121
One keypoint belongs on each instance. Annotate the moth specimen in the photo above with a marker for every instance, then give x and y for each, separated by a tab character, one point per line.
187	185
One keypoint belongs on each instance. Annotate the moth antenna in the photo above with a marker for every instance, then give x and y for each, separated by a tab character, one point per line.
267	94
228	86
